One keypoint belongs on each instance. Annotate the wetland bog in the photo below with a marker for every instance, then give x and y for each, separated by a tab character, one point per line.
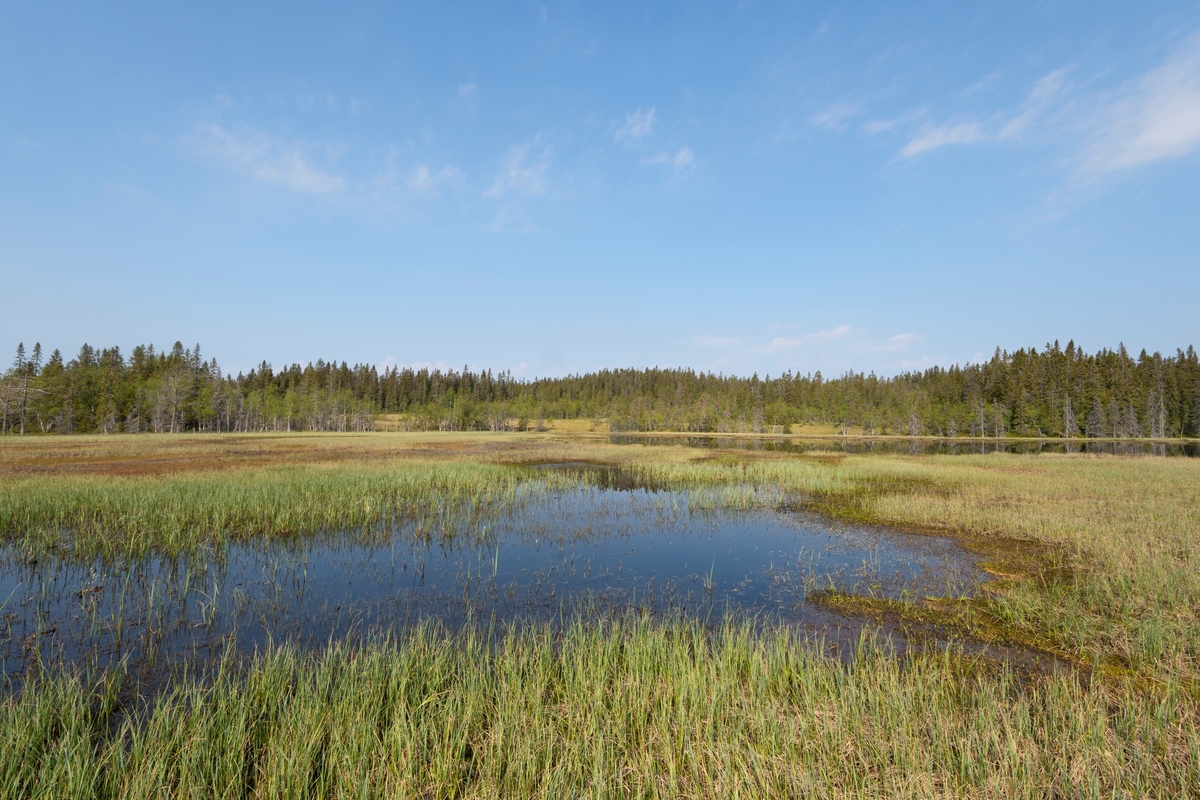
485	615
607	546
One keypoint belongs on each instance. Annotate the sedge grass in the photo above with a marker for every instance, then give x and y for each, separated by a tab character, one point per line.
1102	554
133	517
1097	560
625	709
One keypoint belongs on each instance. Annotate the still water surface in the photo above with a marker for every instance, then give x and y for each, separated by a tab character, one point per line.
594	550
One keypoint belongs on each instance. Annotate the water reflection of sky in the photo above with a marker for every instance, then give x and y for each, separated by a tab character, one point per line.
592	550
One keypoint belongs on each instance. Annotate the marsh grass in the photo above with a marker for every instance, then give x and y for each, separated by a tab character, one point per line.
616	709
134	517
1096	557
83	516
1096	560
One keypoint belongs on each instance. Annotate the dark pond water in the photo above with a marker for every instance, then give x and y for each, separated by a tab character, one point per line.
920	446
597	550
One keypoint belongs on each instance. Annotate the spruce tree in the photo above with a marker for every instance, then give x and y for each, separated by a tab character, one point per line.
1195	416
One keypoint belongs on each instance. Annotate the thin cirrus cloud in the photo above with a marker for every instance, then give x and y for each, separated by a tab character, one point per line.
877	126
837	116
718	341
900	341
934	137
844	344
638	123
1151	118
679	160
510	218
423	180
1009	127
523	170
783	343
1045	92
264	158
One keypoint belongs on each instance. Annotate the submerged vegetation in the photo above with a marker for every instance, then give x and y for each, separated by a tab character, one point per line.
1057	391
1096	561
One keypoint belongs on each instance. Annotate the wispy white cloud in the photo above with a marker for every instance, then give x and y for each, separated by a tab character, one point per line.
900	341
638	123
880	125
876	126
510	218
837	116
843	339
467	95
423	180
404	189
680	160
312	101
922	363
975	87
264	158
523	170
718	341
780	343
1048	89
933	137
1003	127
1152	118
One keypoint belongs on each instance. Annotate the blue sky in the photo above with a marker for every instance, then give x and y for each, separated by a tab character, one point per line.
553	188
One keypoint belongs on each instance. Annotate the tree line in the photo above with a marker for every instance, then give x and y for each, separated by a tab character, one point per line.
1055	392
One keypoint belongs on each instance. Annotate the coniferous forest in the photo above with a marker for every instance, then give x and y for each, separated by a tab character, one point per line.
1055	392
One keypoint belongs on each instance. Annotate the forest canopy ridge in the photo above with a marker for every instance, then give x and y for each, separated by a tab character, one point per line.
1056	391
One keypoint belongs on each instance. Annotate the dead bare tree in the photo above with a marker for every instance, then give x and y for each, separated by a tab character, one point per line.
1096	423
914	423
1157	409
1070	427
